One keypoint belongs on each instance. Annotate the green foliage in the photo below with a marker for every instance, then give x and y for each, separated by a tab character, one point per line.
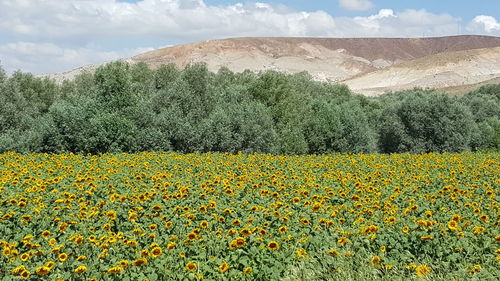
110	132
38	93
128	108
324	127
425	122
245	127
113	85
3	75
165	75
71	121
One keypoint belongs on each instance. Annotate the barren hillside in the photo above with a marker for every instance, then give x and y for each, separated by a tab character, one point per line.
439	71
369	65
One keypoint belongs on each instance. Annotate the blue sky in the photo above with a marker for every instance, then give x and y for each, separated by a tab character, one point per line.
465	9
54	36
462	8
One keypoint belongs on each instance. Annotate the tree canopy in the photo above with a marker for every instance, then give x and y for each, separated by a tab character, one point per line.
129	108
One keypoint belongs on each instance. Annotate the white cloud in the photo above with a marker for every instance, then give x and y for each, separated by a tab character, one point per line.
356	5
424	18
408	23
49	58
484	23
55	36
373	23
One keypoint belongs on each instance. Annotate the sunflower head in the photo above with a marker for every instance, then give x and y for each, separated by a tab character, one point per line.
223	267
140	261
81	269
156	252
273	245
191	266
42	270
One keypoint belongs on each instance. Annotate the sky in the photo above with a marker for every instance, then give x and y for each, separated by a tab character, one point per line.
50	36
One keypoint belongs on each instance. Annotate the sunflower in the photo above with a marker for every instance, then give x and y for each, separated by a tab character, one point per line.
18	270
373	229
453	225
42	270
156	252
375	260
342	241
238	242
140	261
132	243
223	267
411	266
191	266
6	252
63	257
478	230
316	207
124	263
484	217
170	245
273	245
115	269
332	252
475	269
427	237
283	229
80	269
45	234
387	266
247	270
24	256
50	264
422	270
300	253
25	274
246	232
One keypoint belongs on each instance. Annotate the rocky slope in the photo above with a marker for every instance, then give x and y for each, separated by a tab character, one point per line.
369	66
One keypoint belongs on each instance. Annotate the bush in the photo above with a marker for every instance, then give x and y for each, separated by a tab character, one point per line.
130	108
426	121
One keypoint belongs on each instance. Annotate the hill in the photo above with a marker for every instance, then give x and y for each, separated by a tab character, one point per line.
359	62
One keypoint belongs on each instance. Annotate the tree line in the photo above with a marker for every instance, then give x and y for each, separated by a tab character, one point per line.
131	108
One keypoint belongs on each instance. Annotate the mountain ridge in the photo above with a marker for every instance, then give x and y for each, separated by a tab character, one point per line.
335	60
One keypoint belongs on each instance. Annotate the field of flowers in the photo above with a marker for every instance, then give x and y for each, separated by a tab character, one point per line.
167	216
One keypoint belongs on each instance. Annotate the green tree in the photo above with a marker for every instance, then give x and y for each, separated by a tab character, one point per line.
110	132
71	120
3	75
113	86
238	124
165	75
426	121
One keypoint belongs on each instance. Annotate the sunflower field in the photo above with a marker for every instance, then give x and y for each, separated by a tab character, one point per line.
169	216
